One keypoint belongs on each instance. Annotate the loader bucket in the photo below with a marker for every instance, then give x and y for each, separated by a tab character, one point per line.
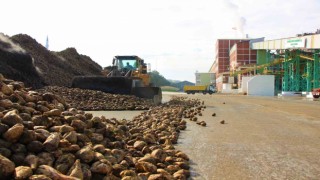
117	85
154	93
113	85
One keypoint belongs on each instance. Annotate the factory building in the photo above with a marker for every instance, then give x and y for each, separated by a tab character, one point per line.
241	55
288	65
294	62
230	55
222	59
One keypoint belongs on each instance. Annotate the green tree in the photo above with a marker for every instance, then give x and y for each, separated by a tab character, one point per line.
158	80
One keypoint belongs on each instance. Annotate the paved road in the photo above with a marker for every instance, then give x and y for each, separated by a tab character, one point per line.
263	138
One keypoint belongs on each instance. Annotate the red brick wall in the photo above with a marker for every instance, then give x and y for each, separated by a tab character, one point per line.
243	55
223	47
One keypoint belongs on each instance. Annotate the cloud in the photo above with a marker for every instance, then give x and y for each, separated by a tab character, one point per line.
239	20
231	5
277	20
177	37
240	25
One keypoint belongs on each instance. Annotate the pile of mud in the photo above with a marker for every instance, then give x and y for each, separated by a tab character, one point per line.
22	58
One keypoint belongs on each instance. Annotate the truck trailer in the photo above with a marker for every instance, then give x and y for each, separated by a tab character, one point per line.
199	89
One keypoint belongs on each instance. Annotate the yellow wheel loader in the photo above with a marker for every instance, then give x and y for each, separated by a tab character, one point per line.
127	75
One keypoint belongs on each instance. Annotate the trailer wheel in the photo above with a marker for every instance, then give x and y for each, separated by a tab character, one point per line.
193	92
204	93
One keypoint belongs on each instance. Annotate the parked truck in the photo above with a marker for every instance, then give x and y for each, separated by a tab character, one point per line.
199	89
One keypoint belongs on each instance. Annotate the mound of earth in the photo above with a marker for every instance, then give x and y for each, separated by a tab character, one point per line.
82	63
22	58
17	64
55	69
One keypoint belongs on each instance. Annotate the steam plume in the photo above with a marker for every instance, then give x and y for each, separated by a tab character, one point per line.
240	21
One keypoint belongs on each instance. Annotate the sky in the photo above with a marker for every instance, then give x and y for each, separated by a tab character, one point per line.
177	37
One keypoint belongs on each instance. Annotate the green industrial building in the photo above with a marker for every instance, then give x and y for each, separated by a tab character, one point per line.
294	62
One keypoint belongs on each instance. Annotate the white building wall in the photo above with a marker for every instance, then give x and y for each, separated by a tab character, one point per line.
261	85
244	83
226	88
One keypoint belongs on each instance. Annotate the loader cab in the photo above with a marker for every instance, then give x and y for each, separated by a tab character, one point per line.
126	62
131	66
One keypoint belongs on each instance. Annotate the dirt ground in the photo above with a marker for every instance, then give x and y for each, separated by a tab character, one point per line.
263	138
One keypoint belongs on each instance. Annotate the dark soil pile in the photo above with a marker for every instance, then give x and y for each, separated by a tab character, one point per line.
81	63
55	69
17	64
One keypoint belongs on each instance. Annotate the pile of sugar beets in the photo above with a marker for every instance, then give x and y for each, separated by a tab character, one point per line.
42	138
89	100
